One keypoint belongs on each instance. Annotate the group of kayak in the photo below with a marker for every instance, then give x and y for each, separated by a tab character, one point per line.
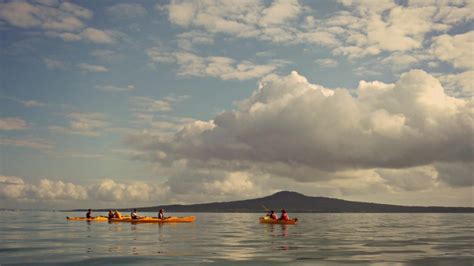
116	216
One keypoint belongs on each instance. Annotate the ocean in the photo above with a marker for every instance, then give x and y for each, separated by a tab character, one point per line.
238	238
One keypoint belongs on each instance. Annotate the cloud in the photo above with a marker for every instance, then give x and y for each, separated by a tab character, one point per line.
33	103
26	103
457	174
149	105
410	179
399	61
92	68
11	187
456	50
97	36
290	122
89	34
18	14
111	191
65	21
362	29
13	123
460	84
32	143
54	64
76	10
450	13
187	40
221	67
125	11
280	11
25	15
48	2
106	55
327	62
112	88
85	124
105	190
241	19
368	29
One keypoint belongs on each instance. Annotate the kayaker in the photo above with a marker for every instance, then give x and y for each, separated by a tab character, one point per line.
134	214
111	214
161	215
273	215
117	214
89	213
284	216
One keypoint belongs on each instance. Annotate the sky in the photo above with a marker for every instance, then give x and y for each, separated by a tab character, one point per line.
141	103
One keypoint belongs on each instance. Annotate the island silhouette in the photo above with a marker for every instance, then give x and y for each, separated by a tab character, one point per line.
296	202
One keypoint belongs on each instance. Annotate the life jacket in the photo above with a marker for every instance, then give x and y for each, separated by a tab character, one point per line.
274	216
285	217
117	214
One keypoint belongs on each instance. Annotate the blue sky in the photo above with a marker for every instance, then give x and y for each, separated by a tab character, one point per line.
114	103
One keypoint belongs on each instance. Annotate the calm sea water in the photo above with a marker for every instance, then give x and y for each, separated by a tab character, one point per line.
433	239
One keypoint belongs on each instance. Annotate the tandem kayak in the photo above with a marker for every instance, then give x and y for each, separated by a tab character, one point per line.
146	219
268	220
97	219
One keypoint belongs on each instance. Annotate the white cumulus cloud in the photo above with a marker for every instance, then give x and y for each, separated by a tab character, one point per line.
290	122
456	50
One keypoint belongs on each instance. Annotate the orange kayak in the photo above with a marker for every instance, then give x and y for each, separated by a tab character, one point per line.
268	220
146	219
97	219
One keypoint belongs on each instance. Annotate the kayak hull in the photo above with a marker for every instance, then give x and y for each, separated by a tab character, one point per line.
95	219
172	219
267	220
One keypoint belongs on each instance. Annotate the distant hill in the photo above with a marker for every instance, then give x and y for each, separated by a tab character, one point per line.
296	202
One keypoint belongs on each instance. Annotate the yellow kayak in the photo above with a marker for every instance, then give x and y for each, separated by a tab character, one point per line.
146	219
268	220
97	219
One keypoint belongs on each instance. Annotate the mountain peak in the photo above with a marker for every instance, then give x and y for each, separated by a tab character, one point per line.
287	194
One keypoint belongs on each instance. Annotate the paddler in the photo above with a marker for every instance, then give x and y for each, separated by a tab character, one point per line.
89	214
134	214
111	214
117	214
273	215
284	216
161	215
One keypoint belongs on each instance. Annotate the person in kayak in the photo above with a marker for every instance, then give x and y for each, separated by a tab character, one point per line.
273	215
117	214
111	214
284	216
161	215
89	213
134	214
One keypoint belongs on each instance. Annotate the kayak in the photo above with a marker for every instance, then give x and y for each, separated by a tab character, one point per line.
171	219
146	219
97	219
268	220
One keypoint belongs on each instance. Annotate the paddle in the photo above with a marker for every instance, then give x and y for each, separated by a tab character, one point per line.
266	209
